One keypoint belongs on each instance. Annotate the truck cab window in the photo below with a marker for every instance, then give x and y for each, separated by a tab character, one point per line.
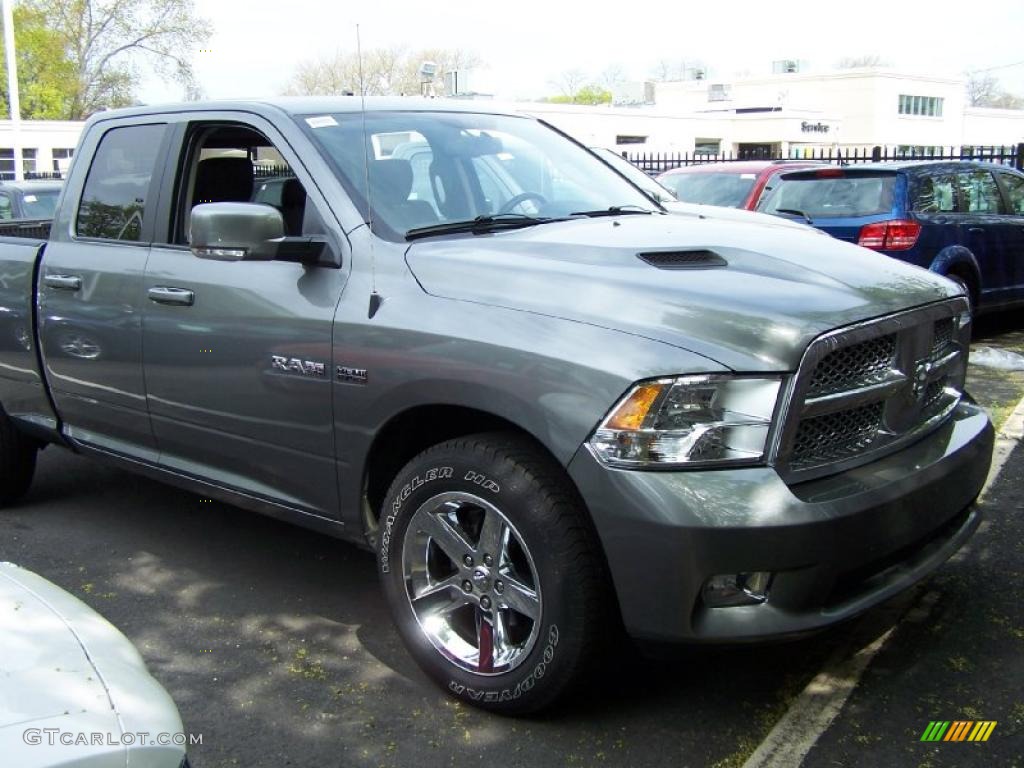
114	197
233	163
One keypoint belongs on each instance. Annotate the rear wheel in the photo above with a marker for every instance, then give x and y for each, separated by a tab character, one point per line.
491	573
17	462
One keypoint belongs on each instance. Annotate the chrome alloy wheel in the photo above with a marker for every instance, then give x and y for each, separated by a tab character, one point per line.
471	583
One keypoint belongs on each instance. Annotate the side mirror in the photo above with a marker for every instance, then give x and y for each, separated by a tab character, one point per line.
250	232
235	231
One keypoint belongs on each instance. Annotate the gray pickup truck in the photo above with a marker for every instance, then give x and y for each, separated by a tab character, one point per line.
458	337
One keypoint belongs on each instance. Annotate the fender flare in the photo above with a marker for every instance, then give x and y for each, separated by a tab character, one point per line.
953	256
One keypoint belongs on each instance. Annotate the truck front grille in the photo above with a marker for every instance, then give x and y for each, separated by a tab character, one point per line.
867	390
835	436
856	365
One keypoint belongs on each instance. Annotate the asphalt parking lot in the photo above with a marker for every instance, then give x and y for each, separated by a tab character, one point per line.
276	646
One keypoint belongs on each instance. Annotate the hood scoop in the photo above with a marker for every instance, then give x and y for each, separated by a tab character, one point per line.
697	259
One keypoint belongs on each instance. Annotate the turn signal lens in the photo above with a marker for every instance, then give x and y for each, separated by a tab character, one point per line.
635	408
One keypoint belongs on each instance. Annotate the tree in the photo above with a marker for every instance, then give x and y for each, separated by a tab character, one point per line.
613	76
665	70
983	90
570	82
104	39
386	71
46	78
588	94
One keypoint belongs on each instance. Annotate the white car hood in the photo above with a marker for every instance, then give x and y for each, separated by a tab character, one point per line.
64	666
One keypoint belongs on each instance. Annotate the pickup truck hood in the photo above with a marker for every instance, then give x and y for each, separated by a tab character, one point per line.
780	288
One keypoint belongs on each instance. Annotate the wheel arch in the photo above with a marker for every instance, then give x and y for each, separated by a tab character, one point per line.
960	261
415	429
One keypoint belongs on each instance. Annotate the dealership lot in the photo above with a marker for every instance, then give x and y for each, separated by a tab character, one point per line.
278	649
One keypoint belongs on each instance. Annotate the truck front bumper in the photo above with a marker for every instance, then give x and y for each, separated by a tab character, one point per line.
835	546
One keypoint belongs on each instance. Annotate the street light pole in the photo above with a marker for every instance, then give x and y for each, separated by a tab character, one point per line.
12	88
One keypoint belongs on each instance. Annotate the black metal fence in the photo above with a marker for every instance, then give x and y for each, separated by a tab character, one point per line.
658	162
272	171
33	175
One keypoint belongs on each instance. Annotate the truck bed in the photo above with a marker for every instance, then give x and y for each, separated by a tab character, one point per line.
22	391
35	229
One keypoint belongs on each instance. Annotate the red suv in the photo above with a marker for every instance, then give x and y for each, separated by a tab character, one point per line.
737	184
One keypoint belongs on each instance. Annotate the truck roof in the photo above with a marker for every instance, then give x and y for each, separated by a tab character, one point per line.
312	105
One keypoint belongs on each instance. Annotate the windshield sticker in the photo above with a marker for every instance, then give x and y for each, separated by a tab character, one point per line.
747	175
31	199
324	121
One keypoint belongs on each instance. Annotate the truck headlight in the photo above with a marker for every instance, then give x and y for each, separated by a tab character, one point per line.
689	421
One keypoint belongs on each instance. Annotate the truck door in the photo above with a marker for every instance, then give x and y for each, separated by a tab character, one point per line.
238	354
90	290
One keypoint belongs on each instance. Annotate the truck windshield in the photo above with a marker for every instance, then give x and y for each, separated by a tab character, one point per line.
428	169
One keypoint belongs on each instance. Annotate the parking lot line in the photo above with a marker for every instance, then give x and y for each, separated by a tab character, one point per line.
823	698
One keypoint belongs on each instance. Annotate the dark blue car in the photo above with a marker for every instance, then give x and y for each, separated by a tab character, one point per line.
964	220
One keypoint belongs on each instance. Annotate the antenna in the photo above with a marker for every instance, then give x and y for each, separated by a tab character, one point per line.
375	298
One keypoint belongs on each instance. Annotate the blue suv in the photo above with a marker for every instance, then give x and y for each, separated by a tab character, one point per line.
964	220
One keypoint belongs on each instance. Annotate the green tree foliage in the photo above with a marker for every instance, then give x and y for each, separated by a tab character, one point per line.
588	94
85	55
46	77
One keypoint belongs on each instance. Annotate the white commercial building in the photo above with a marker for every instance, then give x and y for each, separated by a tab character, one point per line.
47	146
793	114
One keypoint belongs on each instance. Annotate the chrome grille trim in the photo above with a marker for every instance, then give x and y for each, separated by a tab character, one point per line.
828	429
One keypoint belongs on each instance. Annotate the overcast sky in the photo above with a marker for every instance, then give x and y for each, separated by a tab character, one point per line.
525	44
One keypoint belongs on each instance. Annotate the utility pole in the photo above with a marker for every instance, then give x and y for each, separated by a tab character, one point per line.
12	88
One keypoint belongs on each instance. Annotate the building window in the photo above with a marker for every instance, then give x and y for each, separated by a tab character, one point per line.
61	159
927	106
718	92
6	164
630	139
28	160
707	146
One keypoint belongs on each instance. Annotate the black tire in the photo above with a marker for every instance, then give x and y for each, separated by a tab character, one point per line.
536	500
17	462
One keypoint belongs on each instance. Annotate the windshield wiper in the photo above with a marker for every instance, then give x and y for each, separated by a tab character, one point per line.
486	223
795	212
615	210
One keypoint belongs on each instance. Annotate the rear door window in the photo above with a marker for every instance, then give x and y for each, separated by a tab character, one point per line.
1014	186
935	194
114	197
832	196
979	193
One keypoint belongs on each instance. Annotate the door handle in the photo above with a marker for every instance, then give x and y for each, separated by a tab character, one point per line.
976	231
163	294
63	282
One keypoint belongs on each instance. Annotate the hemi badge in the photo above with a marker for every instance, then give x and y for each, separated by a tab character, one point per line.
351	375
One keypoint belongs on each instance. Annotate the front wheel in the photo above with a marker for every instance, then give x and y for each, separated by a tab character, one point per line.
491	572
